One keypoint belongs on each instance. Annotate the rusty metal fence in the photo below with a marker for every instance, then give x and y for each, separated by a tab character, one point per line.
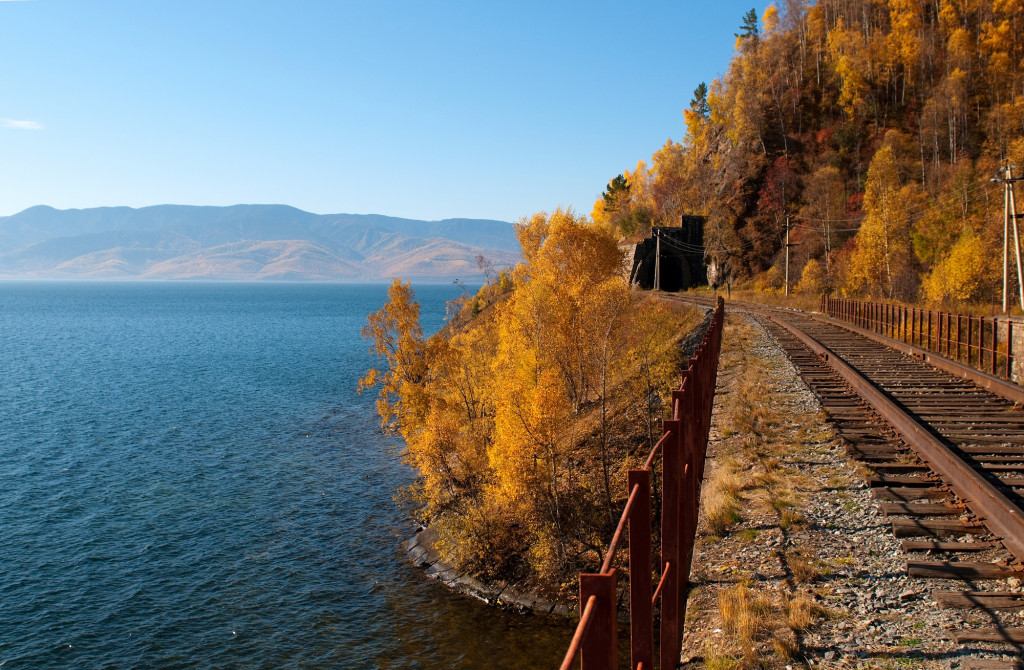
985	344
682	447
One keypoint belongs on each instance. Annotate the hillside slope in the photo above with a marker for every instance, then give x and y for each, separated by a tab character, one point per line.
245	242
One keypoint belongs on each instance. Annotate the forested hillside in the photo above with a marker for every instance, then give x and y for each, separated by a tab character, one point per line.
873	126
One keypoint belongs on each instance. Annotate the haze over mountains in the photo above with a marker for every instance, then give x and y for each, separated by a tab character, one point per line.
245	242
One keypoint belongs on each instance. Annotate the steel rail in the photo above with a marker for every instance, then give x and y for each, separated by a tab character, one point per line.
1001	387
999	514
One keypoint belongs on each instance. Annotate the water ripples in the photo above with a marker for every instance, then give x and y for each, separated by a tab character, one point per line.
189	479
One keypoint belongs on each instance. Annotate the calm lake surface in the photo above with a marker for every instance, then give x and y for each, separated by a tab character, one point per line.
188	479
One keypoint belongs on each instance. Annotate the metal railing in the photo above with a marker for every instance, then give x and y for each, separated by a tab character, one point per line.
985	344
683	447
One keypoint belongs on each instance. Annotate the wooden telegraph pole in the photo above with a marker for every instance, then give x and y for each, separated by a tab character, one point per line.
1006	245
657	260
1016	235
787	245
787	255
1010	214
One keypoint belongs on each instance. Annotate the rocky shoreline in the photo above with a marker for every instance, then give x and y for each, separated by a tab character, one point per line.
421	551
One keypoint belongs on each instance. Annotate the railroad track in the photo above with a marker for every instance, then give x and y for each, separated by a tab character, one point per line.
944	456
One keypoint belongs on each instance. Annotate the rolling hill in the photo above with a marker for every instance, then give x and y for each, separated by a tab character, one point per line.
245	242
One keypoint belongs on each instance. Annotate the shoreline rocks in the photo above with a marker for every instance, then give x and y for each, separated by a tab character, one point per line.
421	551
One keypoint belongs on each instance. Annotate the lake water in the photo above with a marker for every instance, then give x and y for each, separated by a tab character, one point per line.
188	479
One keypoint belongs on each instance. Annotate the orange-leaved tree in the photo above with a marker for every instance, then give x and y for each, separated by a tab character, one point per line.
397	340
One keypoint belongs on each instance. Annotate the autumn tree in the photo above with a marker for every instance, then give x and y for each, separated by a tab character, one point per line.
812	279
963	275
397	340
823	211
882	261
519	421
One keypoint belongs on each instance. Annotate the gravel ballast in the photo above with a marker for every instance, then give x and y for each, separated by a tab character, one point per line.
807	537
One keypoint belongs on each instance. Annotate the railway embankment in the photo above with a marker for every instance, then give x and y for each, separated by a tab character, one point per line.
797	564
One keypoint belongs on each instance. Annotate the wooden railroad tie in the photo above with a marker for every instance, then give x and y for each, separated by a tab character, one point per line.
990	600
994	634
960	570
990	664
900	480
896	468
935	545
908	493
937	527
920	509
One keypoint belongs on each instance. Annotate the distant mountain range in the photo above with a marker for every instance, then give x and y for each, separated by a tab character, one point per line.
245	242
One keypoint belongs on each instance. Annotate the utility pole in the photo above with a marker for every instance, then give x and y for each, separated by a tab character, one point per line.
1016	235
1010	214
657	260
787	255
1006	245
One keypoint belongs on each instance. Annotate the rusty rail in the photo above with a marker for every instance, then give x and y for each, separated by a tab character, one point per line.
683	447
985	344
983	498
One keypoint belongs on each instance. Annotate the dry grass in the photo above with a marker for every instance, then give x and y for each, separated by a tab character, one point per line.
727	477
721	499
801	612
721	512
790	517
716	660
804	569
745	615
785	645
759	627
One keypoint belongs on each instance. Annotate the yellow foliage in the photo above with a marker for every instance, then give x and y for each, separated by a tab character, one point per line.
770	19
812	279
849	52
881	261
397	339
904	41
770	281
515	421
966	274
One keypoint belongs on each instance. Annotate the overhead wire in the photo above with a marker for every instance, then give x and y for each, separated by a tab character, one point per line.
809	223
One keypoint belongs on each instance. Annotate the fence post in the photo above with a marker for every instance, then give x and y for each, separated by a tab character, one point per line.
641	611
671	473
970	337
958	325
691	427
995	343
1009	349
598	651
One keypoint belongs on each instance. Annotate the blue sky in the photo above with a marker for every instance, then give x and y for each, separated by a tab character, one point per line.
416	109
